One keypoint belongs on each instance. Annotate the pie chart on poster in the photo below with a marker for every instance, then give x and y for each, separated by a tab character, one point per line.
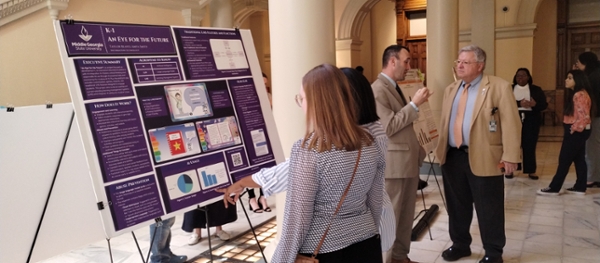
185	183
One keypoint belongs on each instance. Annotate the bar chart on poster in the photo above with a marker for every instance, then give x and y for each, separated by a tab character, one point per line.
167	115
213	175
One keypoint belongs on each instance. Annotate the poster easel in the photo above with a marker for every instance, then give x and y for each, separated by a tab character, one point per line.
166	113
52	194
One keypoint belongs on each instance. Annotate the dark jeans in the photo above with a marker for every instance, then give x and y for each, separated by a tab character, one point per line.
463	189
572	150
366	251
529	138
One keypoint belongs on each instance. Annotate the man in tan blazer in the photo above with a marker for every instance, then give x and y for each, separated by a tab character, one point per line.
479	124
404	154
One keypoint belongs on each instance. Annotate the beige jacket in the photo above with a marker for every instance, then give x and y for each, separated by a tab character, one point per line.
486	149
404	154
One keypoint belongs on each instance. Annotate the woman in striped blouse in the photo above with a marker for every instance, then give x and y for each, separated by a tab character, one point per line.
321	166
274	180
577	130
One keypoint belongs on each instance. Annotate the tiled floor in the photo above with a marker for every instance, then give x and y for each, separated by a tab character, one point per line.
243	249
538	228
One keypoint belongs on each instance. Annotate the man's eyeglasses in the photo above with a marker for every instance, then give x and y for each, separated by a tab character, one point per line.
299	99
466	63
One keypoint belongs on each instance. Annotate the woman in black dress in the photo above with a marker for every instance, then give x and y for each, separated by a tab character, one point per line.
531	101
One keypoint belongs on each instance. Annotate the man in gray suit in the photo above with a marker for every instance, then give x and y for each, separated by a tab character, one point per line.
404	154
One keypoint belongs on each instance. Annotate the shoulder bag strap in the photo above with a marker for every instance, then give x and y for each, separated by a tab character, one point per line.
338	206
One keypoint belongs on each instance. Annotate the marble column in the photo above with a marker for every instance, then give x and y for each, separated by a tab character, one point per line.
348	52
302	37
221	13
442	49
483	31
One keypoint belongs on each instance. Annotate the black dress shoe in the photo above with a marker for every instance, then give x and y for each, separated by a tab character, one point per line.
422	184
487	259
454	254
533	177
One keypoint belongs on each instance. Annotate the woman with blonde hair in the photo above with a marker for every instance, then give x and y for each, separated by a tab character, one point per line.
336	160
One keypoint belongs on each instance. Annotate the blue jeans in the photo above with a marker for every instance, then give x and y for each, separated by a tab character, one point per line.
161	246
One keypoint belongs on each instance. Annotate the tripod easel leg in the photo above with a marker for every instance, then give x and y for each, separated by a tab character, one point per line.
109	250
60	159
432	171
205	209
138	245
252	228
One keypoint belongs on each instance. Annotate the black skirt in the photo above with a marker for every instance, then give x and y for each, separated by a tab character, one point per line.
218	215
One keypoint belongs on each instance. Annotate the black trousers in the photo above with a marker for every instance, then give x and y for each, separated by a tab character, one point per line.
251	193
463	189
572	150
529	137
366	251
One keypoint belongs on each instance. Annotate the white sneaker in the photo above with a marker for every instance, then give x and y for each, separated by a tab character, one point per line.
547	191
575	192
194	239
223	235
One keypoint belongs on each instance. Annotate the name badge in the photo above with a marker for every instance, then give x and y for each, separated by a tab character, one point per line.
493	126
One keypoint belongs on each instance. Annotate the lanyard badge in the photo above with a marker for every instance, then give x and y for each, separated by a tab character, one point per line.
493	126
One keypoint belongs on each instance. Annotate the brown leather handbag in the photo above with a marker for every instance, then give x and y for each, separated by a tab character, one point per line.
312	259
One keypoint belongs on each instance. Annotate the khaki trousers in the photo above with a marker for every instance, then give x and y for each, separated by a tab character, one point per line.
403	194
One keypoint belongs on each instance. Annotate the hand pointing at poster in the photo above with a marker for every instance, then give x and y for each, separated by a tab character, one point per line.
421	96
232	193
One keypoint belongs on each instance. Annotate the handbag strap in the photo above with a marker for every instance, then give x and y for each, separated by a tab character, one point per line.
338	207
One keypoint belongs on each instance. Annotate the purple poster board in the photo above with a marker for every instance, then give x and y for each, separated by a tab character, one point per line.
173	114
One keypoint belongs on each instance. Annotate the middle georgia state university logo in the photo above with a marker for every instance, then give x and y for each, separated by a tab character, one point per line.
84	34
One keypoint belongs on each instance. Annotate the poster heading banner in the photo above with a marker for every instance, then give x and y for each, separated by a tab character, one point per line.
113	39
